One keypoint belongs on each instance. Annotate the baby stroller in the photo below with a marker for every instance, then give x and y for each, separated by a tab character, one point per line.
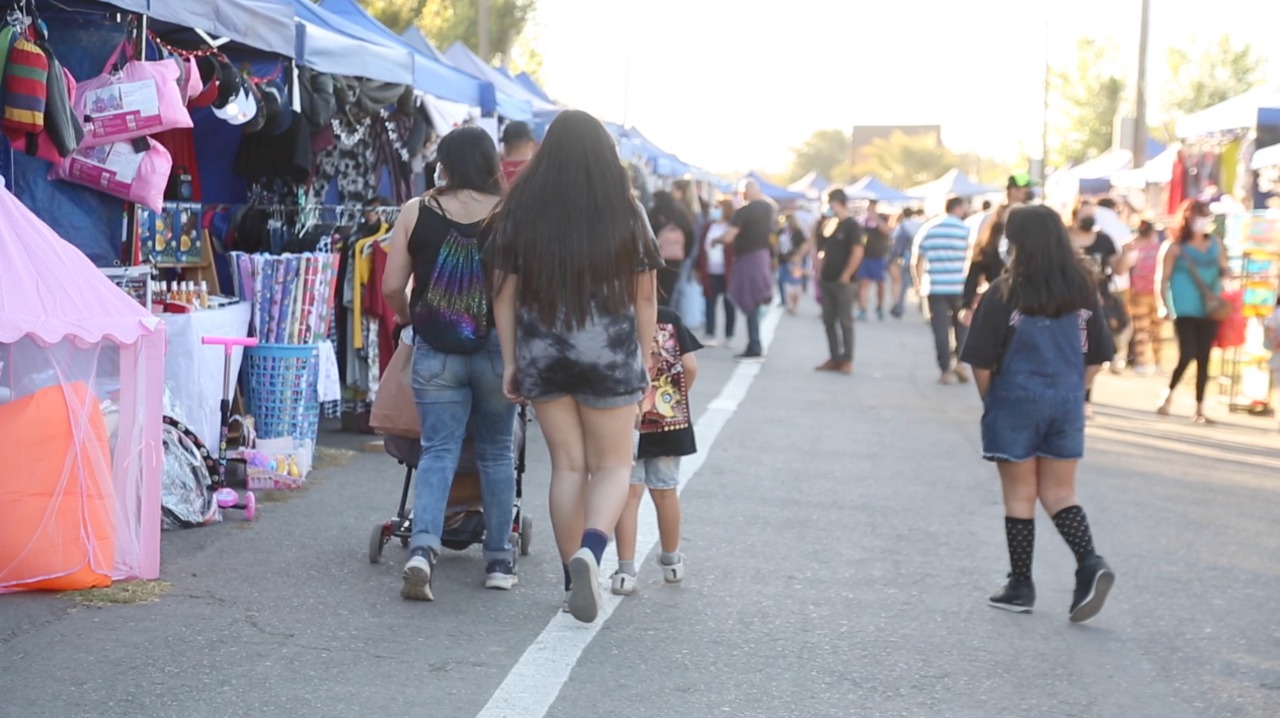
464	518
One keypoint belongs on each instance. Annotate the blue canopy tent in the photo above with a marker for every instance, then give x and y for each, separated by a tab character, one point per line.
462	56
773	191
871	189
259	24
812	185
329	44
415	39
531	85
429	74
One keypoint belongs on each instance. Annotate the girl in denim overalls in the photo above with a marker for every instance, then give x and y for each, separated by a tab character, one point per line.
1036	342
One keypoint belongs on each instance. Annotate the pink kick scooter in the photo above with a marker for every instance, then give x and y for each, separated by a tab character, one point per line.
226	496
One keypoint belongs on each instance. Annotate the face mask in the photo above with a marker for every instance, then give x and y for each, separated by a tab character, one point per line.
1088	223
716	215
828	213
439	175
1201	225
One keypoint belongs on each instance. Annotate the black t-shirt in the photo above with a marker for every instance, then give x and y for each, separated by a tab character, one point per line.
426	240
1100	254
877	244
839	237
755	224
669	432
992	328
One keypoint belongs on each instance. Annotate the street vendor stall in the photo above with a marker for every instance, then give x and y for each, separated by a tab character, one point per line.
1253	242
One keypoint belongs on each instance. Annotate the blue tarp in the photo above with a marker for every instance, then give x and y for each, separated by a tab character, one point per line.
464	58
327	43
429	75
773	191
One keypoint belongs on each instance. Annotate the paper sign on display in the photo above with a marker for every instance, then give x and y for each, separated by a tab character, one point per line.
124	108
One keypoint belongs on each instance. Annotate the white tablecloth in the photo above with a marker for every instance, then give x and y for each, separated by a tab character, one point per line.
193	371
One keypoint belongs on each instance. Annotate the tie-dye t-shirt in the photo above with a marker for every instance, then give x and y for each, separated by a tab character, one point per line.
599	364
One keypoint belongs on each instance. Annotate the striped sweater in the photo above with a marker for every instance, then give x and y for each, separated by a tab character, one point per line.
943	246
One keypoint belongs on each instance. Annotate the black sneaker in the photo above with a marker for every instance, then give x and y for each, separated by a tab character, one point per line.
1094	580
749	358
500	575
1016	596
417	575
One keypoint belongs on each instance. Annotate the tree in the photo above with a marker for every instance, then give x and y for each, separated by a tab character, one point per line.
1220	71
1086	96
445	22
823	152
901	160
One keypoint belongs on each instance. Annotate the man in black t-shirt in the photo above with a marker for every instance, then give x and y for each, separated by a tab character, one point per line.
840	246
874	265
751	281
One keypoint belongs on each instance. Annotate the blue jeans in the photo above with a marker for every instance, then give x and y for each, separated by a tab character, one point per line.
451	389
754	346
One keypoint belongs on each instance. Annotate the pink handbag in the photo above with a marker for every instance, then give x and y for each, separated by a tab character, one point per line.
141	99
120	170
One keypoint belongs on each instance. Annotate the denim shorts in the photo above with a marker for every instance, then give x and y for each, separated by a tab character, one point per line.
658	474
1022	425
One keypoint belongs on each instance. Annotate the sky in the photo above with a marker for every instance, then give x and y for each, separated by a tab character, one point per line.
730	89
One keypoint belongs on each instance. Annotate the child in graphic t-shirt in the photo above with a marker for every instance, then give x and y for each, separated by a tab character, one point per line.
666	434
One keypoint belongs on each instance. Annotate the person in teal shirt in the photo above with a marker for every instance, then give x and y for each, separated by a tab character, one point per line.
1194	249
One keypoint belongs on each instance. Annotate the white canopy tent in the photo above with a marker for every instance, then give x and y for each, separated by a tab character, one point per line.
1238	113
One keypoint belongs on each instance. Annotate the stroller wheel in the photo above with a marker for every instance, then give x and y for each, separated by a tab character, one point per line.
404	542
526	535
376	542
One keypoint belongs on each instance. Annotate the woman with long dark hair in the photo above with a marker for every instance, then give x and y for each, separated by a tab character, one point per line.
986	262
575	301
1037	339
438	240
669	215
1183	295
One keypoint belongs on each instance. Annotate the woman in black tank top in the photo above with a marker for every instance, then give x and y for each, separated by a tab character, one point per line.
457	362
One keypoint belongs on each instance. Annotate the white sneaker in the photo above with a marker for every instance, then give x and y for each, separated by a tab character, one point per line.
675	572
624	584
710	342
564	607
417	578
584	594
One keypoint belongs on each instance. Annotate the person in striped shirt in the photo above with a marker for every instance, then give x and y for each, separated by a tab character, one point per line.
941	251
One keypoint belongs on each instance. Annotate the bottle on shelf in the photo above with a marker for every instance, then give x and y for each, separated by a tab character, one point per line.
204	294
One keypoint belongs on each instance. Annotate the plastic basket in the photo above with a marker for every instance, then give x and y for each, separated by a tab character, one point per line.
282	390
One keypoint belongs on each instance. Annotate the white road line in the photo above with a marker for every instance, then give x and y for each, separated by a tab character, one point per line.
533	684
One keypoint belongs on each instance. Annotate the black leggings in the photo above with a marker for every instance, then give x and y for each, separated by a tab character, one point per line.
1195	341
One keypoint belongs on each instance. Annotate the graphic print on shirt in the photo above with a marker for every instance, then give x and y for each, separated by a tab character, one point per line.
1015	318
666	403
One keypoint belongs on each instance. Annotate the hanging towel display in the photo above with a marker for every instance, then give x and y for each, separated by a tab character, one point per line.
138	99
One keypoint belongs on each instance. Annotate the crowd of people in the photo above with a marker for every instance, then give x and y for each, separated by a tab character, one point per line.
1024	305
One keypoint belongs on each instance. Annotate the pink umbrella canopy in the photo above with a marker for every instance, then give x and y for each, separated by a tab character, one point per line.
50	290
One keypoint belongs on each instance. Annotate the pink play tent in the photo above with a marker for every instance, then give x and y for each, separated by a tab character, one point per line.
81	389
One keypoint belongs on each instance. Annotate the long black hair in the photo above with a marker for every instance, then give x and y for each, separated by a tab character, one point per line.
1046	276
470	160
988	245
570	229
666	210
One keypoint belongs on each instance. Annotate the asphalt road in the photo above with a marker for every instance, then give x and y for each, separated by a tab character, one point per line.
841	540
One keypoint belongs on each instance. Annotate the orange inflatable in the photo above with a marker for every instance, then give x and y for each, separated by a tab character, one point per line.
57	527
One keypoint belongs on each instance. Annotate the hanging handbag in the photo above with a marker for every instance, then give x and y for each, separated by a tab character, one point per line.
136	100
137	171
1215	307
394	412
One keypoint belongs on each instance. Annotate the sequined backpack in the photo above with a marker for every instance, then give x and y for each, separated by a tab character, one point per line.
452	315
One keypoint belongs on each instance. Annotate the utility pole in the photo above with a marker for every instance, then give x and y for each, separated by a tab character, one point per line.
1140	113
482	26
1048	82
